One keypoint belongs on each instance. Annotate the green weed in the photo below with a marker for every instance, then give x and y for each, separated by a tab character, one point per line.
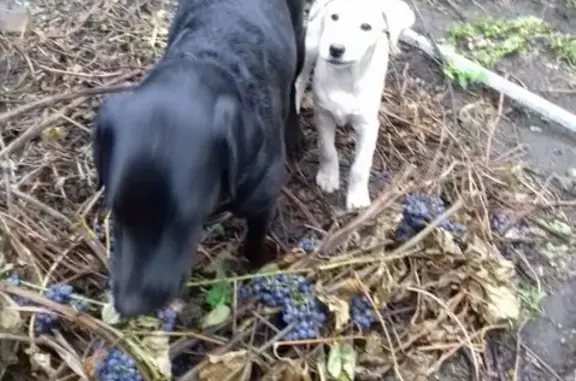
487	40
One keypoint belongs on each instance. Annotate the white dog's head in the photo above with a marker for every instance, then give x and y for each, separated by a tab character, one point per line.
345	30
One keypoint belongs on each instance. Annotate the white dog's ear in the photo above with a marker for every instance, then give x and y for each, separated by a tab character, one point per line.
317	10
316	22
398	16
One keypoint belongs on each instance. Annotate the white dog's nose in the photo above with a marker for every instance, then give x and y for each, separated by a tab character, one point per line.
337	50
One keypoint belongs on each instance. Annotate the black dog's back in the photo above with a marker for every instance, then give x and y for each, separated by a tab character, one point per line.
249	39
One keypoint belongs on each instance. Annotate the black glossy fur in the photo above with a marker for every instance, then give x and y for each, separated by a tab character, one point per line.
205	132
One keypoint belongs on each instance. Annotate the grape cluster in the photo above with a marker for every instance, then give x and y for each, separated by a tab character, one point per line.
14	280
167	317
117	366
273	291
418	211
308	244
294	294
501	222
361	311
59	293
307	315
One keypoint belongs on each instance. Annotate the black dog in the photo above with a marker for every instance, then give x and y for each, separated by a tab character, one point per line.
205	132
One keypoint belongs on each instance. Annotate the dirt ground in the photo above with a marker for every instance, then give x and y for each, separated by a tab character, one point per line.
549	343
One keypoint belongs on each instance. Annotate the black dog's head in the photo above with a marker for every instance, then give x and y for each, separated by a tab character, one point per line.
165	157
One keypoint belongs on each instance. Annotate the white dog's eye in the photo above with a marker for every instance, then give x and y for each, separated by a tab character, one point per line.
334	17
366	27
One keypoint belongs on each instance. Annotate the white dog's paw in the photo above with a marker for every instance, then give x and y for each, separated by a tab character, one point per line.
328	178
358	199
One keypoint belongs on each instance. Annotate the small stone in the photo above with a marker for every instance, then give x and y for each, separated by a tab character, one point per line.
535	129
571	172
14	19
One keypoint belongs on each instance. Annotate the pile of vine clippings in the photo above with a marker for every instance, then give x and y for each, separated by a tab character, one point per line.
359	314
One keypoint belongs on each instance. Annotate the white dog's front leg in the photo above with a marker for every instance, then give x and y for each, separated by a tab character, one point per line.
366	138
328	177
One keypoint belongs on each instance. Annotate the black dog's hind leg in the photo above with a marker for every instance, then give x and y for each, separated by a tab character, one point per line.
257	207
293	136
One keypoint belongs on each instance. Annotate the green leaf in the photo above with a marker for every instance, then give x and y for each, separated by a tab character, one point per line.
334	363
216	316
557	226
348	361
553	251
52	134
218	231
462	80
218	294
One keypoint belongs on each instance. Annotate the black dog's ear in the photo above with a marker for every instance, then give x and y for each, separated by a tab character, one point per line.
226	116
103	136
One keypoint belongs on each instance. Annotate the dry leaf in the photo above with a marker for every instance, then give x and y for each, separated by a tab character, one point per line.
292	370
444	240
109	314
372	373
373	344
222	367
10	319
69	356
339	308
159	347
502	304
40	361
8	350
322	372
477	249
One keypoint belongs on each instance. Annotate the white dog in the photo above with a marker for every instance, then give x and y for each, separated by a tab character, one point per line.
347	44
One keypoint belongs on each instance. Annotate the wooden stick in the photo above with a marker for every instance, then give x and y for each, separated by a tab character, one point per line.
528	99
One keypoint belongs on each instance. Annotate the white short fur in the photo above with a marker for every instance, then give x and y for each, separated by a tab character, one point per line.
347	86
